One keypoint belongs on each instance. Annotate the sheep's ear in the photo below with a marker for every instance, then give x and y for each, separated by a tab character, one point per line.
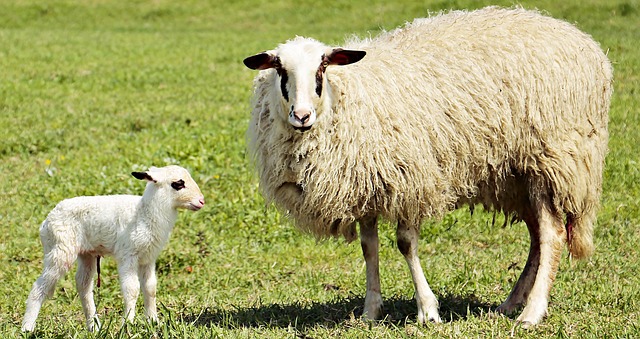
261	61
143	176
342	57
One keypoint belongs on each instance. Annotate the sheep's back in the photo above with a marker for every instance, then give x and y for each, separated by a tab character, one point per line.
83	222
478	98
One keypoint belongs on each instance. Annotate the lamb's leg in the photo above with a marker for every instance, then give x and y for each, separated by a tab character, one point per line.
369	243
148	283
128	272
57	263
551	237
408	245
84	283
523	286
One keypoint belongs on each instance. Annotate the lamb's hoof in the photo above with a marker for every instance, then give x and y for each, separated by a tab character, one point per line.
27	329
94	324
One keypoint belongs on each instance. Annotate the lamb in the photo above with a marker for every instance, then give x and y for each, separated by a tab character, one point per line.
133	229
504	108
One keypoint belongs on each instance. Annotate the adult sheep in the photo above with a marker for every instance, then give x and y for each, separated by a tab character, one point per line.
506	108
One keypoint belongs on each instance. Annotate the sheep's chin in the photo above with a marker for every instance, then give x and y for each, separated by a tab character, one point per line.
303	128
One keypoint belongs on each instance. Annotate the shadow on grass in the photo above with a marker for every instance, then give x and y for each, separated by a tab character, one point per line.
398	311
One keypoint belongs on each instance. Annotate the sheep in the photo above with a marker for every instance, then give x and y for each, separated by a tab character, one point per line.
133	229
501	107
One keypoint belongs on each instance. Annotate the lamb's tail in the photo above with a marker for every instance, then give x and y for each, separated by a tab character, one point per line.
580	235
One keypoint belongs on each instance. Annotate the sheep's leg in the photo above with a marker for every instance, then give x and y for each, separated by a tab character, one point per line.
57	263
128	272
87	265
551	237
148	283
369	244
523	286
408	245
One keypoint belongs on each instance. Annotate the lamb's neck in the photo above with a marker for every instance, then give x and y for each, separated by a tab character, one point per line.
158	212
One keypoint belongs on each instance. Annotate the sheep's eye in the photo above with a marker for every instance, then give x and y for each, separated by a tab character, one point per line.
178	185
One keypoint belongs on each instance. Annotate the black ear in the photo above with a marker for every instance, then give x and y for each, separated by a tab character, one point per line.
261	61
143	176
342	57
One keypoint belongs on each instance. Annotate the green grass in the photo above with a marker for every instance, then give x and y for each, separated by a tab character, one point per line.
91	90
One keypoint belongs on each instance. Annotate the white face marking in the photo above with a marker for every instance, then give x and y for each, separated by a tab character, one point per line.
300	58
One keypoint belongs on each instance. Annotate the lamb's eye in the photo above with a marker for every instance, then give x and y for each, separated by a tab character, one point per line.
178	185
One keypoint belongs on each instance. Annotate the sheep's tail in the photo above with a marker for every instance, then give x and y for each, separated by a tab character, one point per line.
580	235
98	269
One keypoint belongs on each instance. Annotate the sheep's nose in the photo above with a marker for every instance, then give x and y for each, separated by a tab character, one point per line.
201	201
302	116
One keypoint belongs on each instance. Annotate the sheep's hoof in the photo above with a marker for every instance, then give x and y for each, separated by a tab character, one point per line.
371	321
495	314
432	318
527	325
435	320
526	321
371	315
508	308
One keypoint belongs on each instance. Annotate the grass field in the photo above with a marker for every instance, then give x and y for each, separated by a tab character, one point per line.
91	90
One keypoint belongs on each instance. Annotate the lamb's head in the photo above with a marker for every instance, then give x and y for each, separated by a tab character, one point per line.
174	185
301	64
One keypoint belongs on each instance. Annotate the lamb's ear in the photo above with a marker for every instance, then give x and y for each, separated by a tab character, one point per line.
261	61
342	57
143	176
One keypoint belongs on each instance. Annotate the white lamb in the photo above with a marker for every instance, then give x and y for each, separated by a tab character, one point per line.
506	108
133	229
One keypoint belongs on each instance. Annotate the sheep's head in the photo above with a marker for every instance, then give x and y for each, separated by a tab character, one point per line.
301	64
175	185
